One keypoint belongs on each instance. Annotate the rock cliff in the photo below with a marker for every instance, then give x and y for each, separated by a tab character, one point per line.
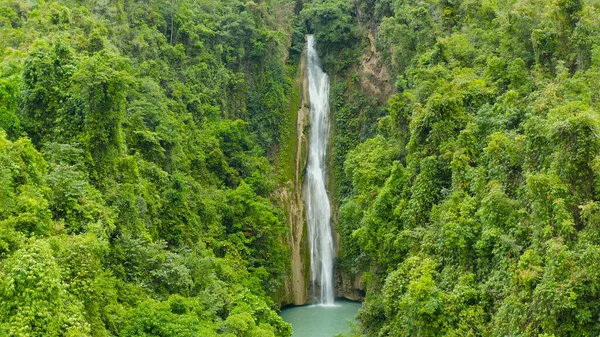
292	198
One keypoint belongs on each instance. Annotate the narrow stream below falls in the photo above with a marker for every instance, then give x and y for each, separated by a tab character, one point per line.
320	320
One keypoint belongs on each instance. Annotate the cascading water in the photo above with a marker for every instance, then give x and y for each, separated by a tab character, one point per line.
318	211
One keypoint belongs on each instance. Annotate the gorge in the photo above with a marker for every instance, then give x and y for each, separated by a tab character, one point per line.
324	317
182	168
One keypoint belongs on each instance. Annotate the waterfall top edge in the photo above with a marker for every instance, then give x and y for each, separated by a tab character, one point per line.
310	40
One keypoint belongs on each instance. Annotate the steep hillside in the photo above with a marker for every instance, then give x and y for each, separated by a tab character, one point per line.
470	205
152	160
138	158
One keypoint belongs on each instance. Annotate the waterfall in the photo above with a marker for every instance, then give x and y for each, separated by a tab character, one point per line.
318	209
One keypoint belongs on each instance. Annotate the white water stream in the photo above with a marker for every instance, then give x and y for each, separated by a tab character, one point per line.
318	208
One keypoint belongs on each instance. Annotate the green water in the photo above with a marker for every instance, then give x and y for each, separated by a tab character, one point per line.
319	321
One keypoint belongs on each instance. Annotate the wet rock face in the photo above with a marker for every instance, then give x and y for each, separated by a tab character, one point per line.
349	286
292	199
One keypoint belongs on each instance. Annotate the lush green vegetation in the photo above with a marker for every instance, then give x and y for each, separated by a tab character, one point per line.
141	142
474	208
138	147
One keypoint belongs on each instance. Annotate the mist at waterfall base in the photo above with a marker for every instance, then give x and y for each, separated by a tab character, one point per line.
321	321
318	209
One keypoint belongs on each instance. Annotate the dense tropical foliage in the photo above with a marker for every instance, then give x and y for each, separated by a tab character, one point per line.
141	143
473	208
135	180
